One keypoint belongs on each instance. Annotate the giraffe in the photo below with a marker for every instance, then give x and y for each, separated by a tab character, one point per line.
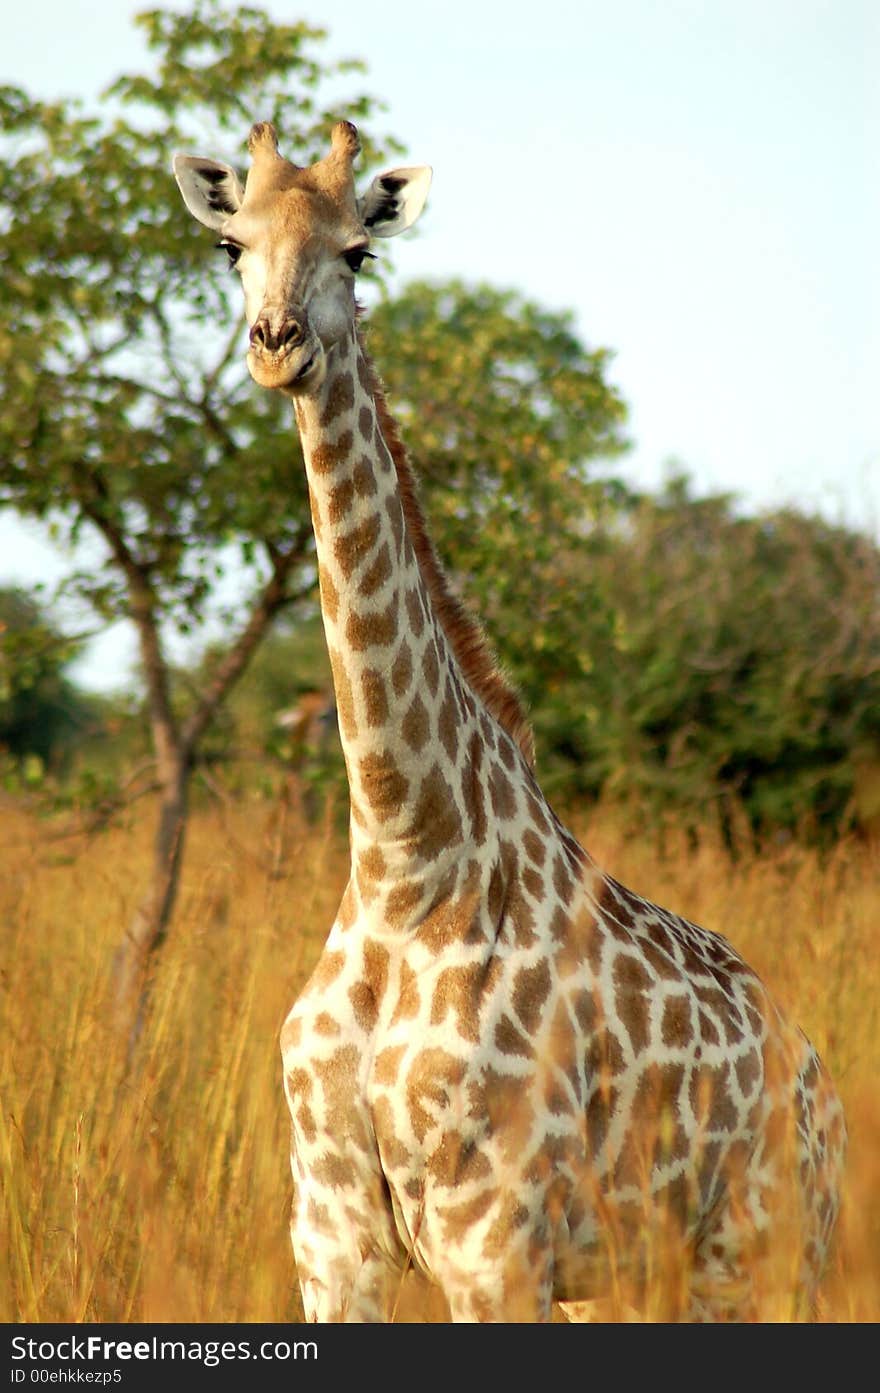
507	1071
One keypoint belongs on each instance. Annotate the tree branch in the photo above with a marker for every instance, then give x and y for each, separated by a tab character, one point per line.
92	493
274	597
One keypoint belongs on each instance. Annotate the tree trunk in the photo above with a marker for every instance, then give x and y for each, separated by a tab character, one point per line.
149	924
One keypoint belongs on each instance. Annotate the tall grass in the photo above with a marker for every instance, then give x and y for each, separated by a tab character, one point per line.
164	1195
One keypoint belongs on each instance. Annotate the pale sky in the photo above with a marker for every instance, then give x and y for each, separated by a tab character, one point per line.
696	182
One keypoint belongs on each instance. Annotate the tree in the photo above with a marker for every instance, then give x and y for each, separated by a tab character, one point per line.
119	417
745	664
41	710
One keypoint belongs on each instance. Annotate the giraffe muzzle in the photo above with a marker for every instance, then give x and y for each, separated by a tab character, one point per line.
284	351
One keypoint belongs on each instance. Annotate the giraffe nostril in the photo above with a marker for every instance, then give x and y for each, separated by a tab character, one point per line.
292	334
289	333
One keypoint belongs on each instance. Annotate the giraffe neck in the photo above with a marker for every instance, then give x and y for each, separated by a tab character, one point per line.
410	721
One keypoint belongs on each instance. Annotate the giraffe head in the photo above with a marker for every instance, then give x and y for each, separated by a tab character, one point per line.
297	238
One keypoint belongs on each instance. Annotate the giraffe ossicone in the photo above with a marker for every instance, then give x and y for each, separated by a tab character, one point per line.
507	1070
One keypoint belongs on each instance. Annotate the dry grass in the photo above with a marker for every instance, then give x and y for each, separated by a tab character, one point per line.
168	1200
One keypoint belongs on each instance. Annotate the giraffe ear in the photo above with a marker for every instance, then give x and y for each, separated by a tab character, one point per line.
394	200
211	190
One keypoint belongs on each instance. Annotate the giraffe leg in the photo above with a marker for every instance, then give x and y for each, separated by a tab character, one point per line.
338	1295
513	1287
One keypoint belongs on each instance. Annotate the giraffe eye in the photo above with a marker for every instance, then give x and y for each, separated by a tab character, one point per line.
355	257
232	250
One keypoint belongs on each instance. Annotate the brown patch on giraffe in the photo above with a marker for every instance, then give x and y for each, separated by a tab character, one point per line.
416	725
472	790
708	1030
724	1010
508	754
562	881
395	1156
459	990
338	1172
299	1084
531	988
329	593
632	985
338	1079
496	894
532	883
366	995
513	1216
367	888
395	523
352	547
618	902
344	694
375	697
537	812
604	1059
436	821
402	899
408	999
376	574
448	722
455	914
534	847
504	1105
676	1201
710	1100
326	1025
347	913
366	375
519	915
748	1071
583	1003
654	1121
401	670
363	478
456	1161
372	863
366	423
459	1219
315	510
431	665
510	1040
339	501
384	787
386	1065
433	1076
676	1028
555	1154
556	1099
372	629
327	970
600	1110
416	612
501	793
325	457
340	397
579	943
659	959
305	1120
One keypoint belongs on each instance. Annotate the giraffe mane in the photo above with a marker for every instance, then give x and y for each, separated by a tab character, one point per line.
469	644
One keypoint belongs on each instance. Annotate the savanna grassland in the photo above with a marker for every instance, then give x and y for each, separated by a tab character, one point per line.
163	1194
